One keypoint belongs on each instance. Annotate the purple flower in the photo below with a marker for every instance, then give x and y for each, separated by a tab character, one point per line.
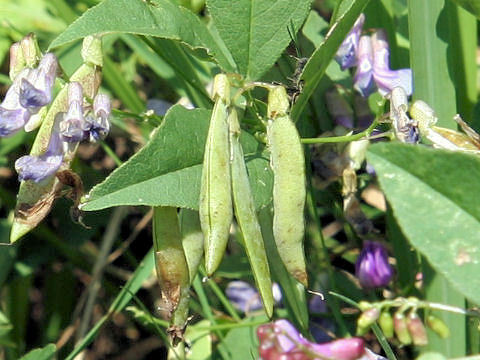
12	115
385	78
73	127
372	267
246	298
346	54
280	340
363	80
37	85
98	124
39	168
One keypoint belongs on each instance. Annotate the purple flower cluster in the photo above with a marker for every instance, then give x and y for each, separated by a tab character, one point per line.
69	129
280	340
372	267
370	54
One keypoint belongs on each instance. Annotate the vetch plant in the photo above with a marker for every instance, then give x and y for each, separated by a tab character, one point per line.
305	145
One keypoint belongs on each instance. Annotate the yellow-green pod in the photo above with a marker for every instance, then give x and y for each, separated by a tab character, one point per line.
288	165
170	261
247	218
215	193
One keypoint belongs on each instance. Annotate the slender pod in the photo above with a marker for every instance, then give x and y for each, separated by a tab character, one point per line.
288	165
170	261
215	192
246	216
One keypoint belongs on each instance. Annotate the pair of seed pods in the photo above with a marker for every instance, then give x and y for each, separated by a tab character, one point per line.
225	189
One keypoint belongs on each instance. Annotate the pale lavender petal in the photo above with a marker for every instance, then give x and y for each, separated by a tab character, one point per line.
363	80
12	115
73	127
386	80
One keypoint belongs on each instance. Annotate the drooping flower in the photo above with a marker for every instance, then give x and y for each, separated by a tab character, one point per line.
74	127
12	115
280	340
39	168
98	124
346	53
246	298
372	267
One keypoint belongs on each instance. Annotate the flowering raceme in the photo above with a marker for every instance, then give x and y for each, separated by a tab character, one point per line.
372	267
371	55
68	130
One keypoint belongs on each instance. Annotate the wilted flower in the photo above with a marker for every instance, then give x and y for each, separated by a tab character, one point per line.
346	54
372	267
39	168
280	340
246	298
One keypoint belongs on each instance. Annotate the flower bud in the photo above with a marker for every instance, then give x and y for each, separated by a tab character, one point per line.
386	324
416	329
342	349
438	326
366	319
346	54
17	60
372	267
30	50
401	329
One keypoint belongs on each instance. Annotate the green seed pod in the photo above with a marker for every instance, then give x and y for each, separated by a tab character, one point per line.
416	329
215	193
34	201
170	261
288	165
246	216
401	329
367	319
192	240
386	324
438	326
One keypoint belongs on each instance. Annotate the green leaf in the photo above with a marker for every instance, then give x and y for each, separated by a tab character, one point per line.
45	353
320	59
156	18
256	32
472	6
436	209
167	171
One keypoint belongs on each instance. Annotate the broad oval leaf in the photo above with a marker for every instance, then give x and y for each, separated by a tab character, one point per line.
318	62
435	198
257	31
45	353
155	18
167	171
